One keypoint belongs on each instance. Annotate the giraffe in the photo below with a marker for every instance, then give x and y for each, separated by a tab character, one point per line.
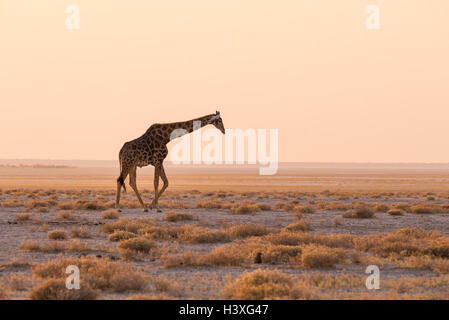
151	149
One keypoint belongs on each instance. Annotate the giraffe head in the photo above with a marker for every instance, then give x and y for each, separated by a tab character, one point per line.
217	122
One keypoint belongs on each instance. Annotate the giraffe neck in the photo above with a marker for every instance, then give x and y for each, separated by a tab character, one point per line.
183	127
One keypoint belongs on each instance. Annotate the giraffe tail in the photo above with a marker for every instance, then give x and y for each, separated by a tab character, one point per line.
120	178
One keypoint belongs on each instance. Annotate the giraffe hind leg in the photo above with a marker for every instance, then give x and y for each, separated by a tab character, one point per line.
120	185
133	184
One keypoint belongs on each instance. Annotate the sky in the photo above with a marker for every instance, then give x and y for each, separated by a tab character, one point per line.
335	90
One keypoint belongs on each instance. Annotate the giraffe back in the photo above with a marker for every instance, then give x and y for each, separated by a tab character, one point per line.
146	150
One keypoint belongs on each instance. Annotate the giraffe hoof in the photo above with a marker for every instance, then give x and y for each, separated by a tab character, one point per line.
119	210
145	210
159	210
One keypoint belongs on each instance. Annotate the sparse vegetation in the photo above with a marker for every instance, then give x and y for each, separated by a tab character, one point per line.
121	235
222	245
266	284
55	289
359	213
66	215
204	235
381	207
137	244
109	214
301	225
336	221
54	246
317	256
57	235
99	274
22	217
303	209
174	216
249	230
127	225
424	209
81	232
395	212
245	207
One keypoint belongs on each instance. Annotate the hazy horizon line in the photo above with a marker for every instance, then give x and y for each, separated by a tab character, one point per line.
280	162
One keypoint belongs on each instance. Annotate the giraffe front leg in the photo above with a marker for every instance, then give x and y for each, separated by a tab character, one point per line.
164	180
164	187
155	204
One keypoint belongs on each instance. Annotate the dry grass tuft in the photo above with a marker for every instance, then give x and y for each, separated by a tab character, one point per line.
212	204
35	204
266	284
301	225
402	205
245	207
15	263
121	235
109	214
174	216
303	208
127	225
81	232
284	206
22	217
395	212
333	206
381	207
203	235
361	212
317	256
162	232
54	246
405	243
425	209
278	254
249	230
66	215
264	206
301	238
11	203
57	235
225	255
168	287
336	221
99	274
55	289
141	244
14	282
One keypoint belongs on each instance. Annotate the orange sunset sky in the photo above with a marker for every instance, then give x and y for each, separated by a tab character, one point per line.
335	90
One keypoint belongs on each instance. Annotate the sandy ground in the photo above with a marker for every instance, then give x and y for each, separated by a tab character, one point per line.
206	282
